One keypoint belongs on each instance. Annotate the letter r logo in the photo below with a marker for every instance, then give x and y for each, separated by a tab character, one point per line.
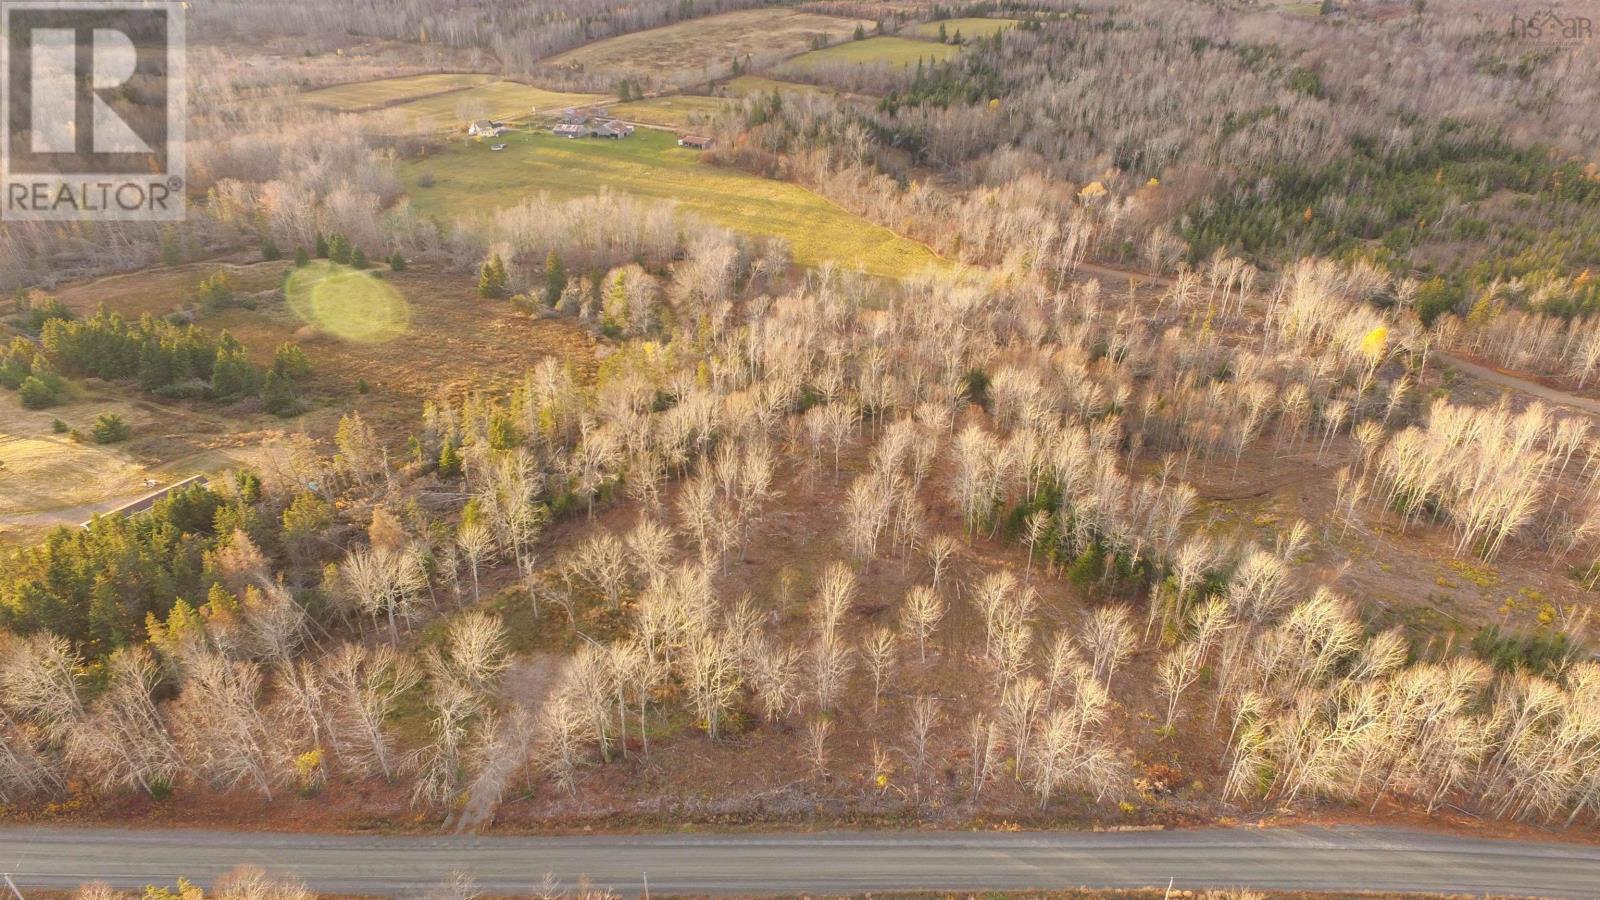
93	92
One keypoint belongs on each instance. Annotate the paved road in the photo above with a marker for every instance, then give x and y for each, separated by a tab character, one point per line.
1343	858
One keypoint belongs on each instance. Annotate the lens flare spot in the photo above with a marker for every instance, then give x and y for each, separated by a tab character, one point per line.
347	303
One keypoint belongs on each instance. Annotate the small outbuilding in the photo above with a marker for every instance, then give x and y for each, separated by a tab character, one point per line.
695	142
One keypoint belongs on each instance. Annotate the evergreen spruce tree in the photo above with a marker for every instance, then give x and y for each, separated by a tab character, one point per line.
290	360
339	249
555	278
449	461
492	278
279	395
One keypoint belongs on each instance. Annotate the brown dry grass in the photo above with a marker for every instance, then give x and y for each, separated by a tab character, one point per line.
700	46
52	479
456	343
162	290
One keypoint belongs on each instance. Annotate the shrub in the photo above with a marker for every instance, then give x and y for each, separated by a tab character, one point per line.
269	250
16	364
1538	653
40	392
42	308
216	292
109	428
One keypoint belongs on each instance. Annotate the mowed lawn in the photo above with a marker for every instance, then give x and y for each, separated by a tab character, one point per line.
704	46
878	51
471	180
374	94
967	28
676	111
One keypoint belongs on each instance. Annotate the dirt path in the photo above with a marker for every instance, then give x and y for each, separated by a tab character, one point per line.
1518	383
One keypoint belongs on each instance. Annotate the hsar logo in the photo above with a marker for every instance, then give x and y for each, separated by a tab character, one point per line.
93	110
1550	26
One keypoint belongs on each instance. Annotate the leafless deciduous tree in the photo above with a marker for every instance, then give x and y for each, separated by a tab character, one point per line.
224	731
920	617
385	583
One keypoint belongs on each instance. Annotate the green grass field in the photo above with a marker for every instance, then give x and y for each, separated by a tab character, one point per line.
968	28
673	112
878	51
471	180
374	94
500	100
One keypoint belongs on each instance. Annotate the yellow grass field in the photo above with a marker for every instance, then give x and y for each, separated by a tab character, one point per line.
703	48
878	51
49	479
677	111
470	180
499	100
368	95
967	28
